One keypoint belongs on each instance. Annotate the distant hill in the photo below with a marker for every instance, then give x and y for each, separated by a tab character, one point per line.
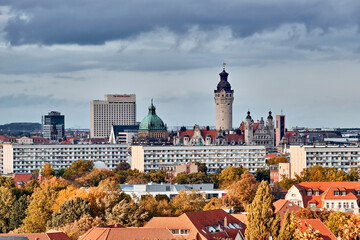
20	127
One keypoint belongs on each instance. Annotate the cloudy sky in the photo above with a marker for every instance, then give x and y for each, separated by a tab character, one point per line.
300	57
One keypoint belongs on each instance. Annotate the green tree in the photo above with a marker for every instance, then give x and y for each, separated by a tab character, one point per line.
78	169
93	178
262	174
335	220
201	167
7	200
18	212
181	178
288	228
70	211
122	166
48	171
262	221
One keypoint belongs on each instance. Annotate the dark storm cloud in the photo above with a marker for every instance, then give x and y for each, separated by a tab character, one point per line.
95	22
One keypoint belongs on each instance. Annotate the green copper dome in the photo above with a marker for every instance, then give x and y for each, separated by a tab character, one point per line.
152	121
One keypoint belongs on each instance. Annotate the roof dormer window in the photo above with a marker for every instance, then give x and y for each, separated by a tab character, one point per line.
336	193
309	193
358	192
316	193
343	193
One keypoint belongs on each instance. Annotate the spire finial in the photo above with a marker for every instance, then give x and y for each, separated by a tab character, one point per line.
224	64
152	101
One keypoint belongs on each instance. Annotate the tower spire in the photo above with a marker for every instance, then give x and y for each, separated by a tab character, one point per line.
224	64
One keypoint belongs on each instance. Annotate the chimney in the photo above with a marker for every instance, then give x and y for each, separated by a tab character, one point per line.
225	222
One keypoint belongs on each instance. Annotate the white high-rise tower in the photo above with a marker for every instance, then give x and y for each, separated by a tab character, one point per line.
224	97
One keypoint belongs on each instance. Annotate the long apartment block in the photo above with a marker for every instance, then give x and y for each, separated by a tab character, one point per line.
16	158
216	158
342	158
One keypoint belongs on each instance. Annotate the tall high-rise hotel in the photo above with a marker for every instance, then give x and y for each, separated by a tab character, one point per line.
114	110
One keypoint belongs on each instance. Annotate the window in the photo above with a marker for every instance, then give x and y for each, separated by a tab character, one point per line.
312	205
343	193
336	193
339	205
309	193
184	231
357	192
332	205
327	205
316	193
352	205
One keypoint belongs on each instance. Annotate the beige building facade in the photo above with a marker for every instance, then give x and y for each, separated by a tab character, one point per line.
116	109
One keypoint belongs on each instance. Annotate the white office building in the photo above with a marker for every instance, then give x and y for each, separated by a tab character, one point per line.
114	110
340	157
15	158
216	158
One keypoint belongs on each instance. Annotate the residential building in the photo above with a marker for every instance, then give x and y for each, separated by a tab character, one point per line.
317	225
282	206
54	126
127	233
340	157
224	97
337	196
171	190
216	158
277	171
26	158
280	128
212	224
173	170
116	109
32	140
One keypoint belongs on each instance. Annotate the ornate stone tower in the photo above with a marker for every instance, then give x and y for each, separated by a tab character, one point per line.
224	97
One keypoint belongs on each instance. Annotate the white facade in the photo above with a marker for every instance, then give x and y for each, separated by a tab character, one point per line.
146	158
170	190
26	158
342	158
114	110
223	102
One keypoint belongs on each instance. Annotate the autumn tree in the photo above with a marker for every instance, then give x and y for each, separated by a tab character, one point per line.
77	228
288	228
7	182
276	160
93	178
201	167
240	194
187	201
309	234
122	166
48	171
350	229
262	221
335	220
154	207
127	213
306	213
78	169
230	175
215	203
70	211
40	211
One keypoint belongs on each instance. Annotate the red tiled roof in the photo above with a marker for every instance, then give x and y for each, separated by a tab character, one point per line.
326	191
282	206
41	236
131	233
316	224
242	126
21	179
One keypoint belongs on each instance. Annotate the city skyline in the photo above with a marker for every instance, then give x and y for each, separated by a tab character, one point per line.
299	57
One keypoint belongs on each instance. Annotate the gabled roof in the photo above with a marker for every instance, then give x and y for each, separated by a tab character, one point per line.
41	236
199	222
255	126
131	233
282	206
326	191
316	224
